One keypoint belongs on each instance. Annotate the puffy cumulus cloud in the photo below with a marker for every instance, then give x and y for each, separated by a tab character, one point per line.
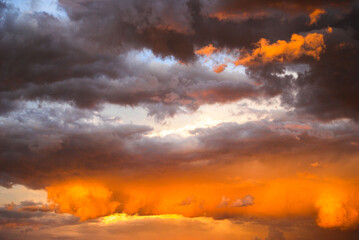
275	198
242	202
310	45
337	210
85	200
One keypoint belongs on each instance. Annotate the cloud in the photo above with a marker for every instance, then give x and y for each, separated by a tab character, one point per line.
336	211
315	15
57	74
85	200
310	45
109	168
30	216
50	56
293	6
206	50
320	86
242	202
70	145
224	202
219	68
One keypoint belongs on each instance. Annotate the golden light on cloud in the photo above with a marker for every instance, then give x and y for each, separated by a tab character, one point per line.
206	50
333	201
311	45
83	199
120	217
336	211
192	119
315	15
223	16
219	68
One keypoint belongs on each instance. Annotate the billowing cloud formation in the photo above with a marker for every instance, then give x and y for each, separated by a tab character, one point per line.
84	200
282	51
111	169
199	117
335	210
70	54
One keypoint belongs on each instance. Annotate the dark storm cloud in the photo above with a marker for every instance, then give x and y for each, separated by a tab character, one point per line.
40	49
70	67
57	142
162	91
161	26
53	60
175	28
298	5
329	90
82	60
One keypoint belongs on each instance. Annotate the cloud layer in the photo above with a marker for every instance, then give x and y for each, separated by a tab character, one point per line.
262	96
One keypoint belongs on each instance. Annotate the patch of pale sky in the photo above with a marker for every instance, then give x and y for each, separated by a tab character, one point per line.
29	6
206	116
20	193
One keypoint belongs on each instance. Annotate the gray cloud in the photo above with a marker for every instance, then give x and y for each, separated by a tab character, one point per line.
60	142
82	60
242	202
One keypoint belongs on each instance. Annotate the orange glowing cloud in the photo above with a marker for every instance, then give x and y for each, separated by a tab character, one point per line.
85	200
207	50
336	211
332	201
220	68
242	189
282	51
315	15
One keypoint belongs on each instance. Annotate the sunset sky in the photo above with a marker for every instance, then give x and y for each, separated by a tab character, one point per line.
179	119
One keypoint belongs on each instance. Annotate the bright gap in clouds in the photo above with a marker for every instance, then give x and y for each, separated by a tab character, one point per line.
226	58
206	116
48	6
18	193
146	56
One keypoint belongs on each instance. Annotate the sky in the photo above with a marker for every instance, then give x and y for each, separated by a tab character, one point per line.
179	119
